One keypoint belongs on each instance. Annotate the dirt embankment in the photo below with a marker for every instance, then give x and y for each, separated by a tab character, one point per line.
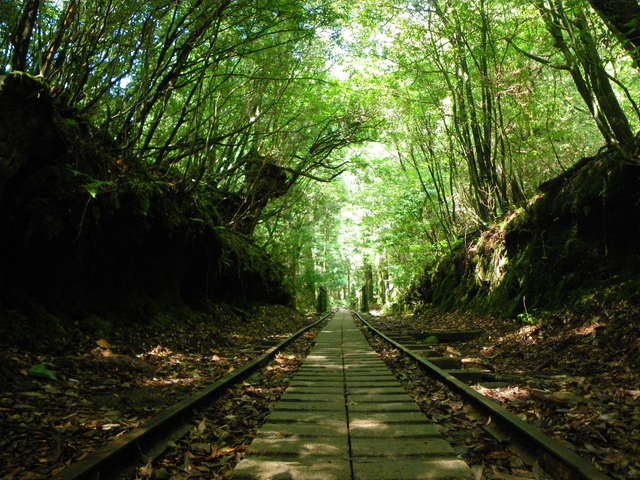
574	243
556	286
85	229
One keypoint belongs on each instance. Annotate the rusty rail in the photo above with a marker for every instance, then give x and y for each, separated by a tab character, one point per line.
119	455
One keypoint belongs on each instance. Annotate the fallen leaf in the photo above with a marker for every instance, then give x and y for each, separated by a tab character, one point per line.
202	426
34	394
499	455
201	447
103	343
562	397
478	472
146	471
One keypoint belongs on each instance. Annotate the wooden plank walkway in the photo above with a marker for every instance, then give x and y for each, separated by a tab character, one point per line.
345	416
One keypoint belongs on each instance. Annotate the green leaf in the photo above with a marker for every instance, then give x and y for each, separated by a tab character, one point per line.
75	172
42	371
94	187
93	191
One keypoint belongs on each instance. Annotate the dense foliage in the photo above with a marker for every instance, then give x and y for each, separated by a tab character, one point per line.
225	95
482	101
355	140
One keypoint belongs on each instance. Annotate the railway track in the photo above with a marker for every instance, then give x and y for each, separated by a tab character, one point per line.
344	416
559	461
427	345
124	456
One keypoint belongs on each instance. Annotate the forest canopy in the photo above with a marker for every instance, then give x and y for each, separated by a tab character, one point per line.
354	140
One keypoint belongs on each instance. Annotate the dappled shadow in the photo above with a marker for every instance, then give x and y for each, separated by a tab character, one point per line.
101	394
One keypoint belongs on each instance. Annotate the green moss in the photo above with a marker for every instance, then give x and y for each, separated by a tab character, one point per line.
572	240
17	83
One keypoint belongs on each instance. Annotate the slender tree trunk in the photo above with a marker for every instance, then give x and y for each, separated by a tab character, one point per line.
364	299
22	36
63	25
384	281
601	85
368	281
573	38
323	300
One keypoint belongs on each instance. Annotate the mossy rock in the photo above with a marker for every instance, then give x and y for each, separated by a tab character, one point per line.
22	84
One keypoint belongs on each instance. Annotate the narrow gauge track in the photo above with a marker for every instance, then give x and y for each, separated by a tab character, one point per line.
525	436
345	416
150	440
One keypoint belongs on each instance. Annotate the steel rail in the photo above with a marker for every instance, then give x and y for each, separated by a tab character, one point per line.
525	433
119	454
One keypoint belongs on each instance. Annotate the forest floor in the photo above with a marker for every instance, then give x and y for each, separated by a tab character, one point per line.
580	375
56	408
580	383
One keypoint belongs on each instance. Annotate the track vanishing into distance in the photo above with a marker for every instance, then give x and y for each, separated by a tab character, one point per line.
344	416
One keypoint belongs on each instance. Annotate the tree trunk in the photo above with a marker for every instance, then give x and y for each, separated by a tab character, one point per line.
364	299
323	300
623	19
587	69
368	282
600	83
63	25
22	36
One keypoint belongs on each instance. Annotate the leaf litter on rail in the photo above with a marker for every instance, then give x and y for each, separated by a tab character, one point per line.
577	377
219	439
463	426
47	425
